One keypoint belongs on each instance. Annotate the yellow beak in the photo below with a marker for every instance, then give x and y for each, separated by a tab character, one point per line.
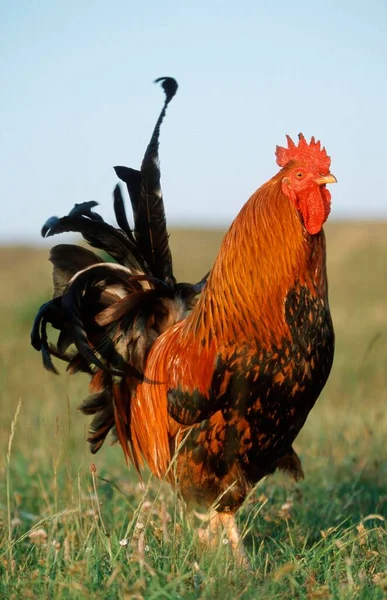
326	179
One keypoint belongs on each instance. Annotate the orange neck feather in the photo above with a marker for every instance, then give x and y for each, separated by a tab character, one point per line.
261	256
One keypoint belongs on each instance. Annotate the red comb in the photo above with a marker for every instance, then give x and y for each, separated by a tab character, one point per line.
304	152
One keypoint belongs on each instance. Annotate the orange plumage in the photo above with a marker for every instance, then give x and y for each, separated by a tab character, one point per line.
226	370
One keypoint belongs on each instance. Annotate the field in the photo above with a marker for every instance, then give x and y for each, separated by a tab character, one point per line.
77	526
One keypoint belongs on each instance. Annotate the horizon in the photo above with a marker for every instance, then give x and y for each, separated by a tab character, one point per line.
40	243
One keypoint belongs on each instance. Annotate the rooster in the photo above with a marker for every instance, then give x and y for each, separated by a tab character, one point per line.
209	383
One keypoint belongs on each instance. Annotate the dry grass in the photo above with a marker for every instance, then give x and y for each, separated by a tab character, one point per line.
71	531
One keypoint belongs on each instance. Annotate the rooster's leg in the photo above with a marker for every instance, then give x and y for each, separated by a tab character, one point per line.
225	522
232	532
209	536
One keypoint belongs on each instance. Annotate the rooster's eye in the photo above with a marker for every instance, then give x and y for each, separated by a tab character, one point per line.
299	175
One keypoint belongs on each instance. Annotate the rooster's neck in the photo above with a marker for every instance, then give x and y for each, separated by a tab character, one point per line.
264	253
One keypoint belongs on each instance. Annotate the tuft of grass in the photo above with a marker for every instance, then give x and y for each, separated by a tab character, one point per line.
73	526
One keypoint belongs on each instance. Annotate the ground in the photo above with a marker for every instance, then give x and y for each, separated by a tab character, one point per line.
77	526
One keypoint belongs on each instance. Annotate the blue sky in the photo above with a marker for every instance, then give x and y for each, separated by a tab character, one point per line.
77	98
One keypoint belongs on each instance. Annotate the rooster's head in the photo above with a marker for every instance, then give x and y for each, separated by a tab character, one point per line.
305	173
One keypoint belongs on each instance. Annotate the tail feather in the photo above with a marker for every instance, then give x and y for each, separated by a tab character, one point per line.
102	236
92	342
109	314
85	209
120	212
132	178
65	340
147	200
50	312
99	404
68	260
151	224
76	362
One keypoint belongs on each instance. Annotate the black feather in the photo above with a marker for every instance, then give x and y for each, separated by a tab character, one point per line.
100	235
119	211
169	85
48	313
46	354
78	363
75	361
65	339
132	178
95	402
67	260
101	406
51	312
150	225
187	291
103	353
84	209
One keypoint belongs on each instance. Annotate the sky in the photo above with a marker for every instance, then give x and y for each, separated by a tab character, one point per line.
77	97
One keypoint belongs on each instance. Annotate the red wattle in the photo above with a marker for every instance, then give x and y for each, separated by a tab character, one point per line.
326	196
313	210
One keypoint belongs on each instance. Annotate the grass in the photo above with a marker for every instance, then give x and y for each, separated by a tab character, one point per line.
77	526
